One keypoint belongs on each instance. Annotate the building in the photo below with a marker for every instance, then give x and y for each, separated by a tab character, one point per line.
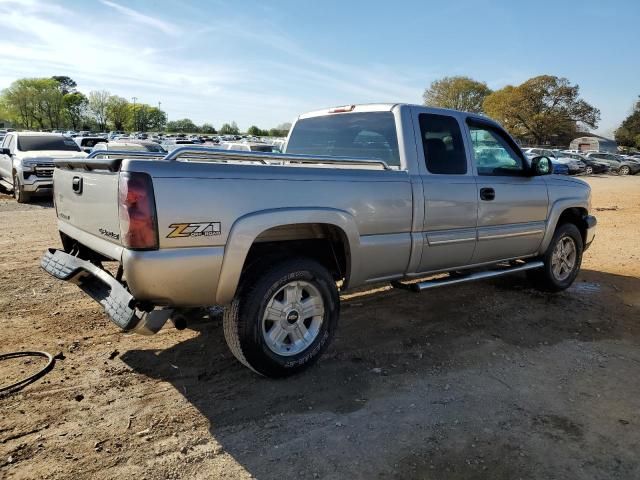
594	142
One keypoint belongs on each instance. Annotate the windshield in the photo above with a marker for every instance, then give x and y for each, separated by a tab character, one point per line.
30	143
370	135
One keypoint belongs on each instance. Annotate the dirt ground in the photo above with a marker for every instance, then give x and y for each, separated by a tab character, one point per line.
481	381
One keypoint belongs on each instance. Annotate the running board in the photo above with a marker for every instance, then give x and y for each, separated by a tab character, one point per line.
443	282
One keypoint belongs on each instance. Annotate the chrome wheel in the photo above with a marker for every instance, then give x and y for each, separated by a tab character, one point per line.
624	170
563	259
589	170
292	318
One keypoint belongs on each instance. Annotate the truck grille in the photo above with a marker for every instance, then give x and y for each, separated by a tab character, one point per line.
44	170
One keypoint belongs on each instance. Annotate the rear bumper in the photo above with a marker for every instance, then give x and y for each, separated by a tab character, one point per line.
591	222
117	302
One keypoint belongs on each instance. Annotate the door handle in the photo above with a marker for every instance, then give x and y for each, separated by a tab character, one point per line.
76	185
487	194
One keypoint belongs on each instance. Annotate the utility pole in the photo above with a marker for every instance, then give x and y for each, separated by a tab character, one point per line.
135	114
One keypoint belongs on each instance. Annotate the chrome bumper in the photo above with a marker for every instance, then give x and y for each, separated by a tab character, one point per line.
37	185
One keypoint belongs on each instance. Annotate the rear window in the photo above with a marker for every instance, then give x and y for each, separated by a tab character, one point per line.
370	135
91	142
29	143
261	148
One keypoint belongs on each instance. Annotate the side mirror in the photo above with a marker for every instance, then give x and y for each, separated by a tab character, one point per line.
541	166
6	151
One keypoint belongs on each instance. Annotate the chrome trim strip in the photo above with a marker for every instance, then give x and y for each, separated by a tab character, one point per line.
449	237
510	231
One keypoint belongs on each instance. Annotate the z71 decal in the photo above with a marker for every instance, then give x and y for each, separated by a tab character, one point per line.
200	229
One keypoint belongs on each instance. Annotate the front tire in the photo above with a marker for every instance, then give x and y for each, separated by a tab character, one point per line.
562	260
283	317
18	193
588	170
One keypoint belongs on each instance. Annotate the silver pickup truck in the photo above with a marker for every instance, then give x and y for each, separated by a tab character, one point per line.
362	195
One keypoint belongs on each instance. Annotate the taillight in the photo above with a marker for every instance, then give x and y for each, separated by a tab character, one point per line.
136	203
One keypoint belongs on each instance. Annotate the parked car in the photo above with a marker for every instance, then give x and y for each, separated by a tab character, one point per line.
86	144
559	168
364	194
26	161
133	145
248	147
615	163
592	166
172	143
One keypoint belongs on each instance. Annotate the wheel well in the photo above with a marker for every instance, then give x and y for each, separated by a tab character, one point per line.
576	216
325	243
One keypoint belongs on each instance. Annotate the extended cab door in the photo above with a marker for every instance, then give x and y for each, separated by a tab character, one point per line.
512	206
450	194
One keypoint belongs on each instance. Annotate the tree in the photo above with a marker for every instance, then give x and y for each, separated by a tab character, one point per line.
98	100
75	106
541	110
229	129
65	84
118	111
257	132
208	128
143	117
628	134
458	93
185	125
33	102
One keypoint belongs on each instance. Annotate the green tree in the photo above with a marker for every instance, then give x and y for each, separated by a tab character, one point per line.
33	102
229	129
543	109
257	132
97	104
75	106
65	84
143	117
182	126
118	111
208	128
628	133
457	93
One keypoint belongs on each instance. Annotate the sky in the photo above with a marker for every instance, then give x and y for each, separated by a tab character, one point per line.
263	63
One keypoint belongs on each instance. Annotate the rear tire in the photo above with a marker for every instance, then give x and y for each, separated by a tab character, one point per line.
624	170
283	317
562	260
18	193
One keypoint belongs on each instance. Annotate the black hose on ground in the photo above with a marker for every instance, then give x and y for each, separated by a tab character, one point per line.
23	383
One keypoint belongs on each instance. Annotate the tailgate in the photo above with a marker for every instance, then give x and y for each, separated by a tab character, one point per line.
88	201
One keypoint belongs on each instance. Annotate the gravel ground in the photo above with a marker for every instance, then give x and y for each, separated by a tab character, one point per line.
489	380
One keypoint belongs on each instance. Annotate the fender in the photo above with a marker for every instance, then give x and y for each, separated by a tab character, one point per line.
559	206
247	228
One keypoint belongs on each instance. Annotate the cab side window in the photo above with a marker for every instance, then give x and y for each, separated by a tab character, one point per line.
442	142
493	152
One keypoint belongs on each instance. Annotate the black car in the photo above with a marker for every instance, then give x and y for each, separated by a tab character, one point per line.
593	166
